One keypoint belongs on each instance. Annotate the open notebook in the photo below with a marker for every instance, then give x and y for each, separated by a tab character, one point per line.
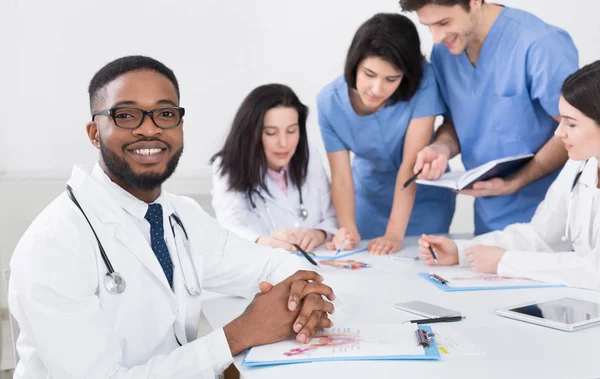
459	180
349	343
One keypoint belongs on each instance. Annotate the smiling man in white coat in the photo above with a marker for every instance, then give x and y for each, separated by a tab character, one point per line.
106	281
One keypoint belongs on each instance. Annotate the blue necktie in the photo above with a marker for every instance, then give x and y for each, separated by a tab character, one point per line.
154	215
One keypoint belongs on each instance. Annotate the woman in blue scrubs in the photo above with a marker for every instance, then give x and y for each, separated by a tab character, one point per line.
383	110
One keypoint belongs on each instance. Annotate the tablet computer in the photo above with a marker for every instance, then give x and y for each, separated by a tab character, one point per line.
564	313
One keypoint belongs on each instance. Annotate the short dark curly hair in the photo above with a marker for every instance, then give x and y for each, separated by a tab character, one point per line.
393	38
415	5
123	65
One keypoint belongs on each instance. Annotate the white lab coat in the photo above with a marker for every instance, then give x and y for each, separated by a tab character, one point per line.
535	250
71	327
235	212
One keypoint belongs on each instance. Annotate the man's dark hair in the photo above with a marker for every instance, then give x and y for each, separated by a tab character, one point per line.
582	90
121	66
393	38
243	156
415	5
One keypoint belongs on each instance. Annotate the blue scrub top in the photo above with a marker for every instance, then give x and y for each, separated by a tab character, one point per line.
504	106
377	140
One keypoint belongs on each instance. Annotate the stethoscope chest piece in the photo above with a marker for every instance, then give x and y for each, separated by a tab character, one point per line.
303	213
114	283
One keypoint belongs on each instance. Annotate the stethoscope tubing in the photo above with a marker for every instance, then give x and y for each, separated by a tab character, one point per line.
568	235
109	266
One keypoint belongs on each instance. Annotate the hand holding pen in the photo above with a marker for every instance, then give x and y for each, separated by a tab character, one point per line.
432	161
437	250
343	239
411	179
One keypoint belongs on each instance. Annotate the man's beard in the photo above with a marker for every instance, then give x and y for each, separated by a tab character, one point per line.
146	182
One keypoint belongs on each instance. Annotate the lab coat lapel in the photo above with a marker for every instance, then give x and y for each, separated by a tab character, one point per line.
181	295
278	198
95	199
583	215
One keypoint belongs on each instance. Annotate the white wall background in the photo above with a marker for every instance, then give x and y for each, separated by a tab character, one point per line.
219	50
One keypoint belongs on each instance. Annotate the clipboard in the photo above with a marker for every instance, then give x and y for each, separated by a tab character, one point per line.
446	285
423	338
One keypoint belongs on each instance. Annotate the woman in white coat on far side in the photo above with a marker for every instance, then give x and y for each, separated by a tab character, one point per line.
561	244
268	187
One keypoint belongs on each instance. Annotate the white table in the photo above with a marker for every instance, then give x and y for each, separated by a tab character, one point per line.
513	349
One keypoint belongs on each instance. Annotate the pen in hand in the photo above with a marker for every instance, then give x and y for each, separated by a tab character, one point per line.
433	254
312	261
344	245
410	180
437	319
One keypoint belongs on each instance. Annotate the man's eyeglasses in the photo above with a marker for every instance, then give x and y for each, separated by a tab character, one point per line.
133	118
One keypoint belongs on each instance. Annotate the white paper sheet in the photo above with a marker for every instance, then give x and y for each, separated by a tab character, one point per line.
344	342
453	344
473	279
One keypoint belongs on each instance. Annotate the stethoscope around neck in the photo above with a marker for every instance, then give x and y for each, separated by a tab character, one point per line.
568	235
301	213
115	283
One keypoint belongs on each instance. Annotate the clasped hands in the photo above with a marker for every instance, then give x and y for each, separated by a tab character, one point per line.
296	306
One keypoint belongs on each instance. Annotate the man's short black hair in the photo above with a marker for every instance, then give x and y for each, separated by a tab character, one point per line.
121	66
393	38
415	5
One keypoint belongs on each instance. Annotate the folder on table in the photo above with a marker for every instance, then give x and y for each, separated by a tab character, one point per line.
472	281
351	343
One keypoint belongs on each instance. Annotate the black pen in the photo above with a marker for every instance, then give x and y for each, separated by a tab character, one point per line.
412	179
437	319
438	278
312	261
433	254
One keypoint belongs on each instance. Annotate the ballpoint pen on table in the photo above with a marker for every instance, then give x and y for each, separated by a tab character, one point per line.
410	180
437	319
438	278
433	254
312	261
344	244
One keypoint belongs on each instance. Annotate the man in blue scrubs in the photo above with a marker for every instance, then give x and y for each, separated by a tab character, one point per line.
500	71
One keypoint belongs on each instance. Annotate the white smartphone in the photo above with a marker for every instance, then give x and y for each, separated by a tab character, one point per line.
424	309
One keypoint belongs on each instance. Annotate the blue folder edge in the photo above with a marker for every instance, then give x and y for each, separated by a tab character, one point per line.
447	288
333	258
430	354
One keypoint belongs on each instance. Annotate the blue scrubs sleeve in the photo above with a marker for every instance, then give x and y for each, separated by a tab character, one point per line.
549	61
428	100
331	139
